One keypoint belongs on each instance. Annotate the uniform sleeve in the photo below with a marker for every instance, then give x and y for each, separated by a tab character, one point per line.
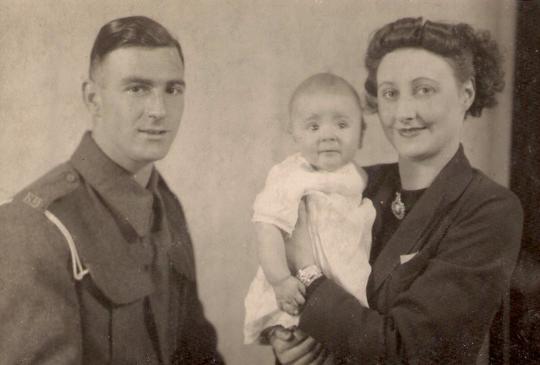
39	312
444	314
199	345
278	202
198	340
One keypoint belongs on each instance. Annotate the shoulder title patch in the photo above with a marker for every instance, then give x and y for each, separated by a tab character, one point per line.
32	200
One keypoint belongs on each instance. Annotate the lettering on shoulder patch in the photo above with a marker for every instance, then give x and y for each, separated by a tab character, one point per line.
33	200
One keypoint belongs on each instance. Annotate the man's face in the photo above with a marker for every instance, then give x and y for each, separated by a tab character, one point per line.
138	104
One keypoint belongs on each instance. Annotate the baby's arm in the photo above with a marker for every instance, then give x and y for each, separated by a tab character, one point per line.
289	291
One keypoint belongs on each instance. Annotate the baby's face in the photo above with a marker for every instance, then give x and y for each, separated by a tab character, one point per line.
327	127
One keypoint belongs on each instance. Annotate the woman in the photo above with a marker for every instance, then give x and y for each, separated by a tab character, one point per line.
446	237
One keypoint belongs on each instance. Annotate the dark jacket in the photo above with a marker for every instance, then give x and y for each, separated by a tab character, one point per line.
463	235
138	301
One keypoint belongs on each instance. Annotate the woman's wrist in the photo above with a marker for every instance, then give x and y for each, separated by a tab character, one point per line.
307	275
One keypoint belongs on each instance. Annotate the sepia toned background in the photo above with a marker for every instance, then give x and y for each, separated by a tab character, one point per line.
243	59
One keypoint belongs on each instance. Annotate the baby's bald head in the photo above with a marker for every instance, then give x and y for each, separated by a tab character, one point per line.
324	82
326	121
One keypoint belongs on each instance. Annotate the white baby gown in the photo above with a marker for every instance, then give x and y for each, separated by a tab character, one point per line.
339	223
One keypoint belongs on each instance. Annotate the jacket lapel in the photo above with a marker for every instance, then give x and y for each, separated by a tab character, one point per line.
427	212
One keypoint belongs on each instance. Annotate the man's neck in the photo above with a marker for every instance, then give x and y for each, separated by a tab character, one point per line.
140	174
143	175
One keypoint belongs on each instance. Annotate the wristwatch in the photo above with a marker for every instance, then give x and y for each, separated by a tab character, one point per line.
309	274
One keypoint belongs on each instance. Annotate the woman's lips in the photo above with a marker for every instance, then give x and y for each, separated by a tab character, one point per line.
410	132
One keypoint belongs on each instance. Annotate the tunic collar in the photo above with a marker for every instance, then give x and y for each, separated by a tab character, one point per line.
116	185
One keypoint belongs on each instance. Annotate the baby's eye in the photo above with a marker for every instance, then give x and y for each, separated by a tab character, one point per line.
313	127
342	124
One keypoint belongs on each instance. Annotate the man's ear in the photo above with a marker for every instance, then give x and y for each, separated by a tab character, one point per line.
91	97
469	93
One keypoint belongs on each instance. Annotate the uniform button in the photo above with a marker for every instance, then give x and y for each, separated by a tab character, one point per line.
70	177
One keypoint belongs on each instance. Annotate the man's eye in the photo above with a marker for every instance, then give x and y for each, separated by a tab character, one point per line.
313	127
137	90
176	90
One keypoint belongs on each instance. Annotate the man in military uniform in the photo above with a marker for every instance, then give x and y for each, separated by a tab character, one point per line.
96	263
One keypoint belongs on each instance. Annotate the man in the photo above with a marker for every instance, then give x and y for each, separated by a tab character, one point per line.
97	264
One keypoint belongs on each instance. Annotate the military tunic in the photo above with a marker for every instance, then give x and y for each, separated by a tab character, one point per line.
96	269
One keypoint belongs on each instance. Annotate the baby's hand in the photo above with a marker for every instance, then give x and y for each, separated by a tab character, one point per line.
290	295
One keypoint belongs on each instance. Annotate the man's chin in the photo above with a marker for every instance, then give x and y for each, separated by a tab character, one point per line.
151	157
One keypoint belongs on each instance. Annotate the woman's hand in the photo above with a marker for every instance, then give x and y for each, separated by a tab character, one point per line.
294	347
299	248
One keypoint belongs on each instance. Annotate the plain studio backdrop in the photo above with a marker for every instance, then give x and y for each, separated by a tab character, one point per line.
243	59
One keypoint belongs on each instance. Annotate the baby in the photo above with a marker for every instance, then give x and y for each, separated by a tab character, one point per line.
326	124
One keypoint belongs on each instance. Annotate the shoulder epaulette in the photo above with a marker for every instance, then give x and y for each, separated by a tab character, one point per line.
56	183
39	195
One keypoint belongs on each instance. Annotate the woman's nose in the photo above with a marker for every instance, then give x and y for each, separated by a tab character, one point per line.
156	106
405	109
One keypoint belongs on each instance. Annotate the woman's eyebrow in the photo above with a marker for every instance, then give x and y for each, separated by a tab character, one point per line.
385	83
424	79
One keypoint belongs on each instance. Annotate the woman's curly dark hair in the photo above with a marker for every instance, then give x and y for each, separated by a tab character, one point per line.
473	54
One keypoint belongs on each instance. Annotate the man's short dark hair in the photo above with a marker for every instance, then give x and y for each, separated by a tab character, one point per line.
133	31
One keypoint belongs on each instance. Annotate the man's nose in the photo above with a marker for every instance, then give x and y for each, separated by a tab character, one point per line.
156	105
405	109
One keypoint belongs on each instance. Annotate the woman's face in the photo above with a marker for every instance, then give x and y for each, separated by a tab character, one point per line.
421	103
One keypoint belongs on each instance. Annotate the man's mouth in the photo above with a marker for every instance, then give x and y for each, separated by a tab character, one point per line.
153	132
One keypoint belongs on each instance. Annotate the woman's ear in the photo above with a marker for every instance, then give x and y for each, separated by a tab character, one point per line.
469	93
91	97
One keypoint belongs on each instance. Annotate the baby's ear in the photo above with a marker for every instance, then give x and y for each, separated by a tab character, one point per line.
363	127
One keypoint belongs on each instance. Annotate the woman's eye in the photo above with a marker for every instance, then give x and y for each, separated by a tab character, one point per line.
425	90
389	94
